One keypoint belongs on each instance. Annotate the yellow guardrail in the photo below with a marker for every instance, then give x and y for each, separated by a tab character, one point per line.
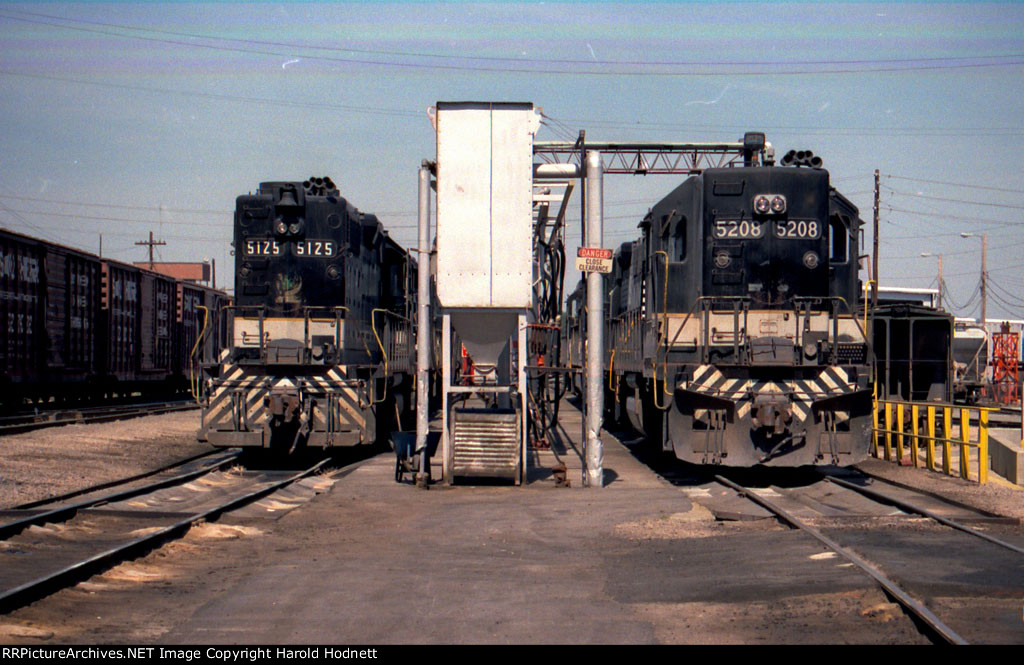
909	418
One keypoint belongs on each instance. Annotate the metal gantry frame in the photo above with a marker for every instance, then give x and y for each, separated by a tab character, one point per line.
563	162
640	158
589	162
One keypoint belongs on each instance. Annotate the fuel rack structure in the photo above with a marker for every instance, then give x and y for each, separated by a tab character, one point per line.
484	274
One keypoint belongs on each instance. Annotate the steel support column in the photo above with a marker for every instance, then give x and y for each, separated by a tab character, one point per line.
593	471
423	326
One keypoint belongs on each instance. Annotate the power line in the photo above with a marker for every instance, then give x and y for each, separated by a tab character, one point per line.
879	66
118	206
102	218
646	63
1005	292
957	184
949	217
318	106
1010	306
16	215
948	200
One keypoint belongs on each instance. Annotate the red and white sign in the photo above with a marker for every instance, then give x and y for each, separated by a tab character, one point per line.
593	259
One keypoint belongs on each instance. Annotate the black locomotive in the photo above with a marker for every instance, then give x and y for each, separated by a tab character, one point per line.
322	353
732	336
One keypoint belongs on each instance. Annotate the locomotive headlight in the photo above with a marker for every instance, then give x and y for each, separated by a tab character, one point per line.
778	204
281	226
294	227
762	204
811	260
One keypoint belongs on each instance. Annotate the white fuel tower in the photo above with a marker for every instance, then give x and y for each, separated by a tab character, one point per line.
484	282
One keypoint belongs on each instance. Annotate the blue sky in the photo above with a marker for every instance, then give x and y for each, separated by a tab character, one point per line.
121	118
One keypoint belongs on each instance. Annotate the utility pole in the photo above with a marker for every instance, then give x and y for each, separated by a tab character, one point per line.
984	274
939	256
984	280
151	243
874	259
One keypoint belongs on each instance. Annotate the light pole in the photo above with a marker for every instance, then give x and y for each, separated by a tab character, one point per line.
984	274
926	255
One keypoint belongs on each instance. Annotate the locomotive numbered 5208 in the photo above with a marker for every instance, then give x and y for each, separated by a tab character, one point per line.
732	332
322	347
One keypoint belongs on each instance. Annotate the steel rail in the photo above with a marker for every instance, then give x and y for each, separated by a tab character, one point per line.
12	599
904	505
49	412
95	415
65	513
925	615
112	483
934	495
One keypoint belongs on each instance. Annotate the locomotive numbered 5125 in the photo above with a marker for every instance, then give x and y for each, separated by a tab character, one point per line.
322	347
732	332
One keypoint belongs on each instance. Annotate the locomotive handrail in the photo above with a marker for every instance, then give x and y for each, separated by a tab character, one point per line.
383	350
334	310
621	328
702	301
654	365
664	291
193	377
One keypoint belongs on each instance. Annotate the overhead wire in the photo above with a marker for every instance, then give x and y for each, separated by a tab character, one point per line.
192	211
247	99
954	184
757	68
950	200
517	59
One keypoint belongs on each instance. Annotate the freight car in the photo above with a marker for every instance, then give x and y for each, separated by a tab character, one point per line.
732	337
76	326
322	350
913	349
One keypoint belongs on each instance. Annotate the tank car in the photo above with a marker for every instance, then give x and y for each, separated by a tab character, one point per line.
322	347
732	334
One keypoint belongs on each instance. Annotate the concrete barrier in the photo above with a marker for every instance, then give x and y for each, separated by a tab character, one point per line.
1006	454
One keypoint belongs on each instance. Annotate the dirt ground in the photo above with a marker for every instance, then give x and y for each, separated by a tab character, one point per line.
997	496
47	462
374	562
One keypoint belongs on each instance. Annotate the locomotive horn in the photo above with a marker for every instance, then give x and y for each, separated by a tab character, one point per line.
287	198
816	162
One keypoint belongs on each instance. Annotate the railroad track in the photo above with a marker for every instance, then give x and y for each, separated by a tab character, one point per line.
888	558
180	464
27	421
45	550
